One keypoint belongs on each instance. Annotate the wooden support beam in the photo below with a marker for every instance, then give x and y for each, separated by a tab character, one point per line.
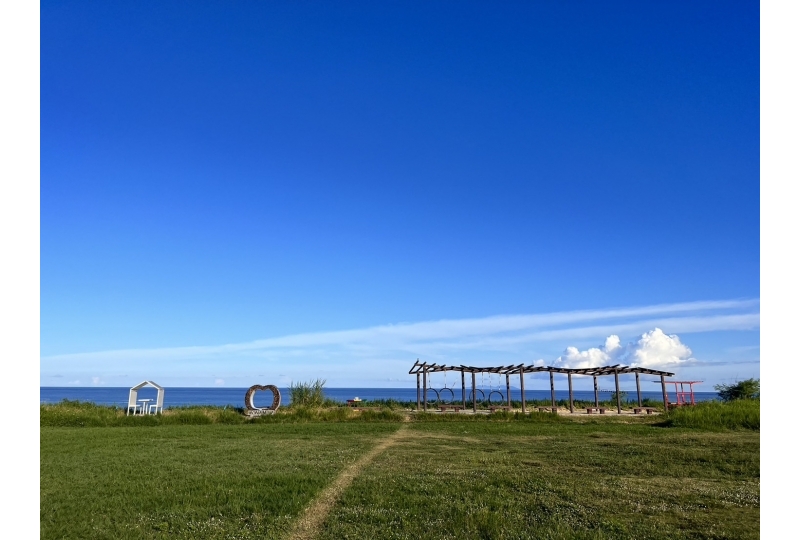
522	387
424	389
552	391
463	391
596	397
418	398
664	394
619	400
508	389
569	381
474	397
638	390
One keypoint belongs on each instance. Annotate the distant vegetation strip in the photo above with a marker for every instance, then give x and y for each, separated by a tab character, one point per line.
738	414
86	414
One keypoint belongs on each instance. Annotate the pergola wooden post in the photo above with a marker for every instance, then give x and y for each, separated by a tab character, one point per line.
424	389
418	400
619	400
508	389
463	391
596	398
638	390
522	387
552	391
664	393
474	397
569	382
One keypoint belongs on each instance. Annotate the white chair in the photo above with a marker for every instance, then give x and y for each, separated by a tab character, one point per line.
132	403
158	406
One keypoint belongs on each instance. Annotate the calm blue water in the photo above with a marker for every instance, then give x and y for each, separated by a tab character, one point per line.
174	397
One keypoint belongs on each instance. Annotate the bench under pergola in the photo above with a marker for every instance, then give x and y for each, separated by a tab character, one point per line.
423	369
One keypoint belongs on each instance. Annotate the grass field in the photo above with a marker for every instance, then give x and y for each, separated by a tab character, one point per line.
542	477
512	480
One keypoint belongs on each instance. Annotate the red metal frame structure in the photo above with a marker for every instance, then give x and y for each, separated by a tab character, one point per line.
682	394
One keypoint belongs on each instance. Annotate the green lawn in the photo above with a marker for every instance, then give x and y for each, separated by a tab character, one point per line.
206	481
515	480
452	479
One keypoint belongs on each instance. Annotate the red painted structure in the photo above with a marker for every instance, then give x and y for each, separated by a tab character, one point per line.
682	395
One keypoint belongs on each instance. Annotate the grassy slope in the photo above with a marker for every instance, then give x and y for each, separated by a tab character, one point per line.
211	481
516	480
543	477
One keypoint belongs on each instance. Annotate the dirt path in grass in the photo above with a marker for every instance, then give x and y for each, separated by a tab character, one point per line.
307	525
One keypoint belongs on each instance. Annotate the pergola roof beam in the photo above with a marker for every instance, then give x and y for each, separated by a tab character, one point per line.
512	369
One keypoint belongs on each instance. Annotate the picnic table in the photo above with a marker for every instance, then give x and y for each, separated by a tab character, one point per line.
545	409
638	410
590	410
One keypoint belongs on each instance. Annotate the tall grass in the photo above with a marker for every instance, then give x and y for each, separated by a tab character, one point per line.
86	414
308	394
389	403
712	415
716	415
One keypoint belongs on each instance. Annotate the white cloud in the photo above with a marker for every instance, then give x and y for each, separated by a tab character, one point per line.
487	333
219	382
355	356
96	381
654	349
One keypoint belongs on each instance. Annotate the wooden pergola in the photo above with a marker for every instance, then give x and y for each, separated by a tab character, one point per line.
423	369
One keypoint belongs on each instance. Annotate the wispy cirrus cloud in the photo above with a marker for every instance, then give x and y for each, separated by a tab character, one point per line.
511	337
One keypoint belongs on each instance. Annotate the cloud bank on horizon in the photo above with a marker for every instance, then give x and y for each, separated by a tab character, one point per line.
654	349
375	353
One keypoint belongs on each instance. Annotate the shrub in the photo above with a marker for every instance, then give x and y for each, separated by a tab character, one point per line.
748	389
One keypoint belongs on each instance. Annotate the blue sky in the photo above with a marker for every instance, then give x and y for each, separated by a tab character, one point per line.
264	192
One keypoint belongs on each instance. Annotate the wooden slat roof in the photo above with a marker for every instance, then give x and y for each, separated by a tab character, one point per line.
419	367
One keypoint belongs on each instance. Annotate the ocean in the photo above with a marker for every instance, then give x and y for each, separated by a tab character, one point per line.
234	397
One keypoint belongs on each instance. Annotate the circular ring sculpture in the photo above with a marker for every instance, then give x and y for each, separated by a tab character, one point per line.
495	392
434	391
249	404
452	395
483	396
